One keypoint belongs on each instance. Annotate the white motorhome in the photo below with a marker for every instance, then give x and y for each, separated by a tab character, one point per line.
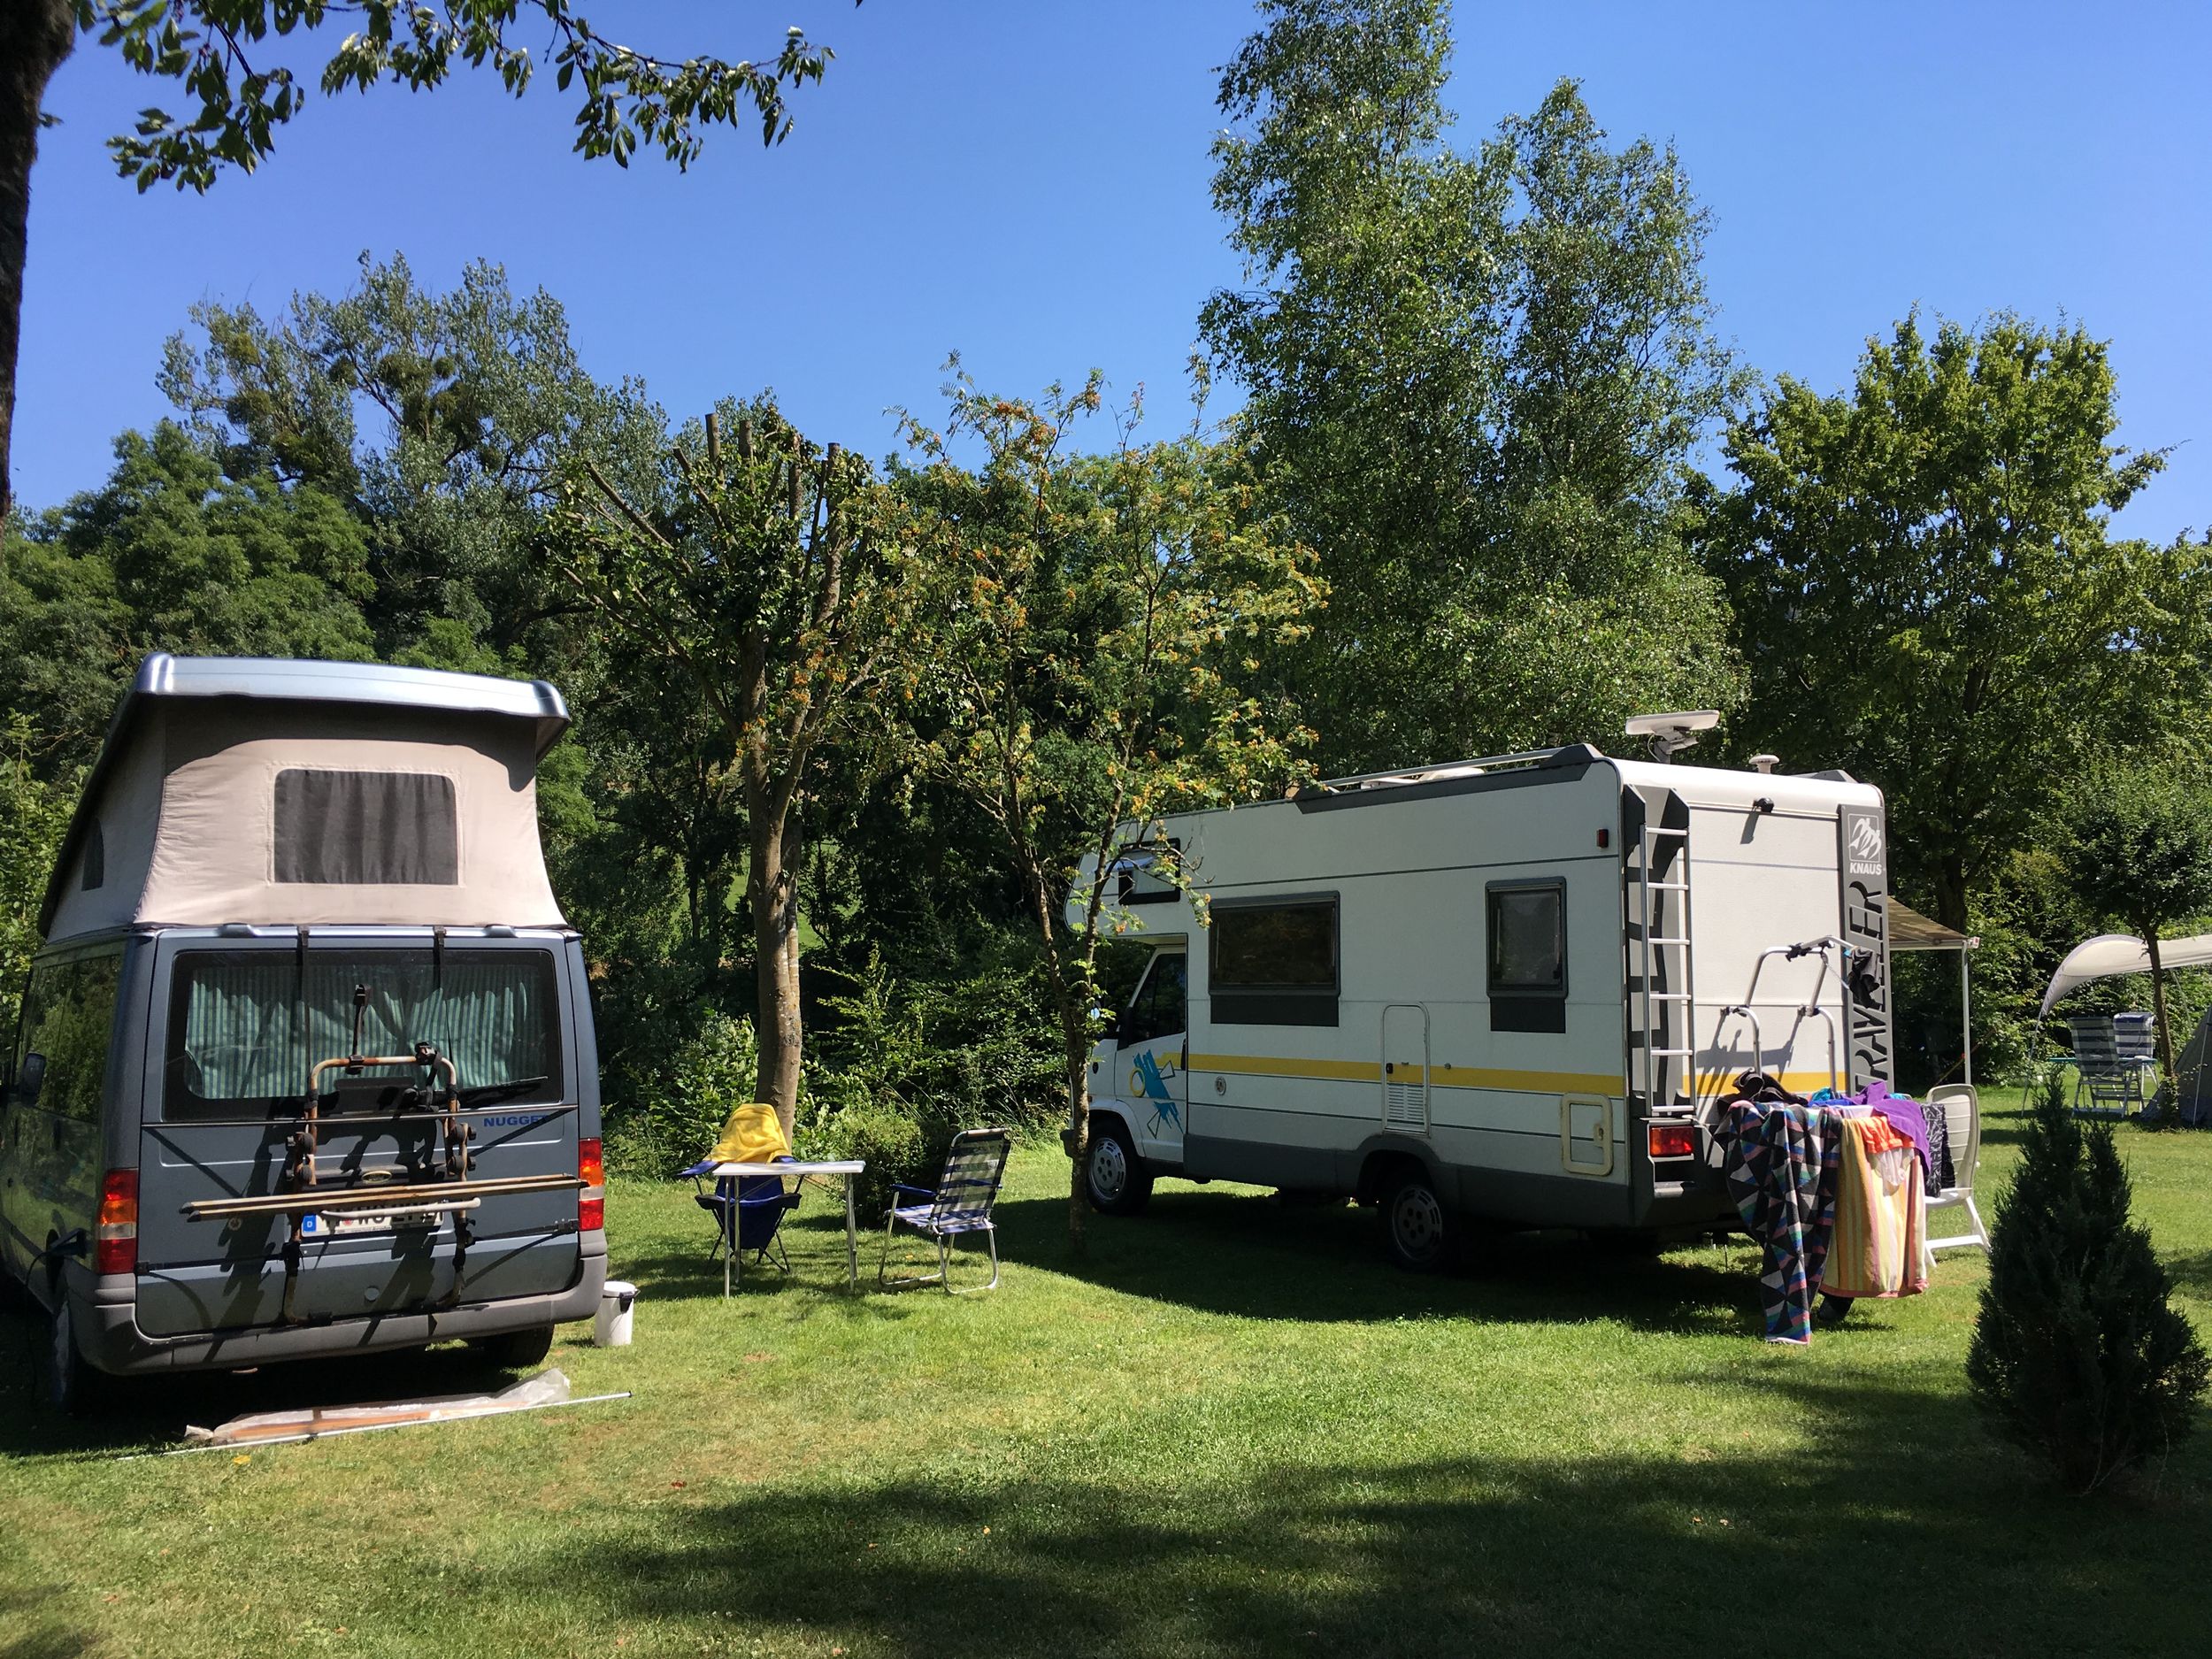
1509	990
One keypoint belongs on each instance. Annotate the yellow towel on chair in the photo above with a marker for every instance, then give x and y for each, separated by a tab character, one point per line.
752	1135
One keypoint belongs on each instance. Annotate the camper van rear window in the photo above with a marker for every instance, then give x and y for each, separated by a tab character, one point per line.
1527	949
366	828
1274	963
246	1027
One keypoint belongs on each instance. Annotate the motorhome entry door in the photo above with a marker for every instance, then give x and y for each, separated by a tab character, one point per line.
1405	1067
1154	1055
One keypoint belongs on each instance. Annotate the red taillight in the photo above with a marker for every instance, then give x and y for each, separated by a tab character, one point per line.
591	1169
116	1240
1671	1141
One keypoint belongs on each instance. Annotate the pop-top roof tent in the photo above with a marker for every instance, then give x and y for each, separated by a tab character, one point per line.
243	789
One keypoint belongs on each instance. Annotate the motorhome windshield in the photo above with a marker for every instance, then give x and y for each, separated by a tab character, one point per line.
246	1025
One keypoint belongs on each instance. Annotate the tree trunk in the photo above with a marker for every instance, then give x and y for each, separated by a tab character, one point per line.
773	888
36	35
1950	892
2165	1037
1079	1141
1074	1028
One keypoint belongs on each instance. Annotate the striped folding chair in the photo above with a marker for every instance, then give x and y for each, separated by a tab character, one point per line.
960	1204
2112	1083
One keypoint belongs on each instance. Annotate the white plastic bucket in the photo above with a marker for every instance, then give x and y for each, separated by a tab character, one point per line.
617	1305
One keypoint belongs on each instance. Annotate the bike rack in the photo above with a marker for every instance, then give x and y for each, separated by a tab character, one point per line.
1810	1009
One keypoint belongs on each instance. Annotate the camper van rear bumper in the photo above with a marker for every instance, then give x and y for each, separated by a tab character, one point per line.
113	1341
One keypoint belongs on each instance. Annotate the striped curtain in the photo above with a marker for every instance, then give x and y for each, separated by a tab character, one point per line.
490	1012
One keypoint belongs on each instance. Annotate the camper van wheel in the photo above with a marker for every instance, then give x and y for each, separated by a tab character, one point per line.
71	1386
1116	1177
1417	1228
513	1350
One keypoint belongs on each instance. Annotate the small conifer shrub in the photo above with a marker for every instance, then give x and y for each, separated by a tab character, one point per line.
2076	1357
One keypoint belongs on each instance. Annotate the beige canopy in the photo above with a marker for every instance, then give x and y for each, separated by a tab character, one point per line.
235	789
2109	954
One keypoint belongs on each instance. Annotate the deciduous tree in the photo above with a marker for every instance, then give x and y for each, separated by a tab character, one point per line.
1476	378
1927	591
2138	848
1097	655
776	577
241	62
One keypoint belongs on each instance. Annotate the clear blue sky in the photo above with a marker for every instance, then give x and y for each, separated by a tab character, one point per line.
1027	182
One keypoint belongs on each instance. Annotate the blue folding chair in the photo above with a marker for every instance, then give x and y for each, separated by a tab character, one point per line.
959	1203
747	1211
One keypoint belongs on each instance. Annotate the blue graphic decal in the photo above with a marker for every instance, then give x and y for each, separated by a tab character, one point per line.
1155	1091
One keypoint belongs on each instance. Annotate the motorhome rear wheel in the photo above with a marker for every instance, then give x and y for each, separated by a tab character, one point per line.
1417	1229
70	1386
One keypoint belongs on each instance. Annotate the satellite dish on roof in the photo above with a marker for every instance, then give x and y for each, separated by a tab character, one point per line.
1671	734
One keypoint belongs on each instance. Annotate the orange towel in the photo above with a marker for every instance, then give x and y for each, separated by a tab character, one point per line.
1881	1215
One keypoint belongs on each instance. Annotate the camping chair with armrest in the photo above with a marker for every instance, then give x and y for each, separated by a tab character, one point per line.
748	1209
1961	1110
2135	1040
760	1204
2113	1084
959	1203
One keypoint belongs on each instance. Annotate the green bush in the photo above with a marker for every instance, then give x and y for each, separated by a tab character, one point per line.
2076	1357
676	1118
891	1146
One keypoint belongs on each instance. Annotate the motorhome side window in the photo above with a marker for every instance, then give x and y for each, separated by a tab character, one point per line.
61	1054
1526	942
245	1027
1273	962
1159	1009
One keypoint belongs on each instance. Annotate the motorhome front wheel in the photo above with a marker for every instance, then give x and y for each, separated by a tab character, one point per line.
1119	1183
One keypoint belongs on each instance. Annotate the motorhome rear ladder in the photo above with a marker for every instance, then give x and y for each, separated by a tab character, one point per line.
1660	966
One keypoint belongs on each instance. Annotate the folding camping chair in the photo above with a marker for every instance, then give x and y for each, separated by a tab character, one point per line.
1961	1110
959	1203
2135	1040
2112	1083
760	1204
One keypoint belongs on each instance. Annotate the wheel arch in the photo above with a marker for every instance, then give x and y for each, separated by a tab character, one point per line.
1380	1155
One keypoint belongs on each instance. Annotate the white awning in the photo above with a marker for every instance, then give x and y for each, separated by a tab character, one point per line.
2108	954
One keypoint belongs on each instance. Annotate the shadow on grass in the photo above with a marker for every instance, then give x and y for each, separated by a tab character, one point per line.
1692	1551
2192	1274
42	1637
1252	1256
150	1413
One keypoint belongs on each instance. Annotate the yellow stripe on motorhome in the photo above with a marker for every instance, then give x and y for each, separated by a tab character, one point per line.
1796	1082
1440	1076
1526	1082
1271	1065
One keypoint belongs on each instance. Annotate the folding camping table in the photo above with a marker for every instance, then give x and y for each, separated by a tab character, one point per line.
846	1167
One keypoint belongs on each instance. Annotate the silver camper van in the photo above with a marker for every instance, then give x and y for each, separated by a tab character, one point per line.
304	1065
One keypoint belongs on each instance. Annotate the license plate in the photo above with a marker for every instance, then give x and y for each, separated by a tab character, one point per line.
333	1226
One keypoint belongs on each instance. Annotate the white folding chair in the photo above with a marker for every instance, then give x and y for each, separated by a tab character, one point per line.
1961	1110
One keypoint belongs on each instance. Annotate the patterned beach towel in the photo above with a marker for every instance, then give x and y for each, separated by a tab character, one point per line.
1781	1173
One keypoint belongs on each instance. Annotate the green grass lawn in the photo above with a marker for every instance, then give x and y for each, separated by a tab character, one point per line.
1230	1429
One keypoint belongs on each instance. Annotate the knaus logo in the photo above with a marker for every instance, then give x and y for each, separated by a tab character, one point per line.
1864	847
